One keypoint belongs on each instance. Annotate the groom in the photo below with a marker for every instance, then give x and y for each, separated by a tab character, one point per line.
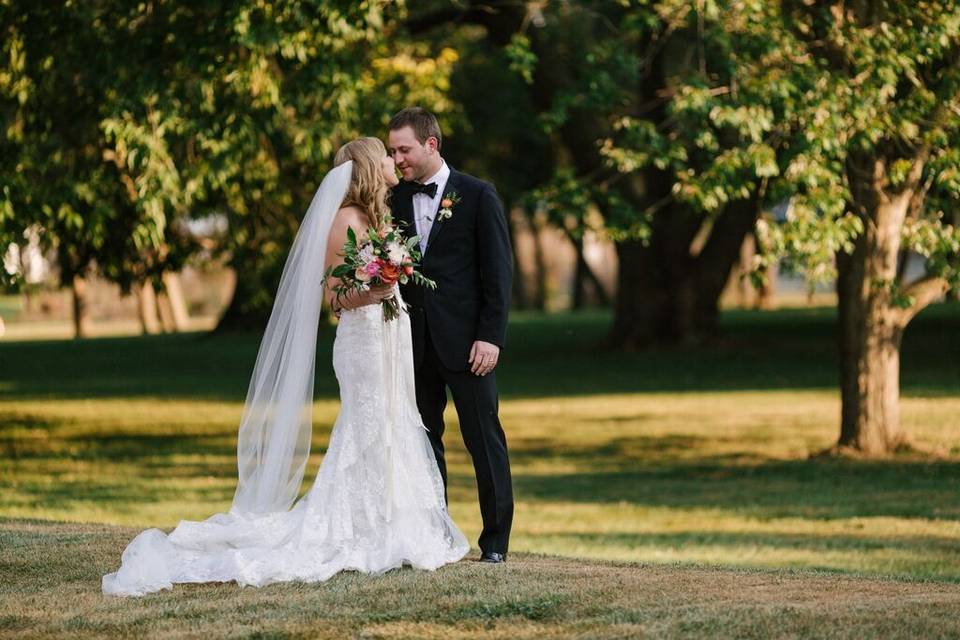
459	327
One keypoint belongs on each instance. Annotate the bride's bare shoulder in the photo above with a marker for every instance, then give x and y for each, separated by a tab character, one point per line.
350	216
349	211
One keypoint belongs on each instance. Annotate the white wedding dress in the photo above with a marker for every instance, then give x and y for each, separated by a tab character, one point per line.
377	502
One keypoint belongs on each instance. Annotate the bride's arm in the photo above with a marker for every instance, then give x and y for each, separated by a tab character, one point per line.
346	218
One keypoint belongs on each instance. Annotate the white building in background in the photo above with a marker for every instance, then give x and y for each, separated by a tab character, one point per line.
27	259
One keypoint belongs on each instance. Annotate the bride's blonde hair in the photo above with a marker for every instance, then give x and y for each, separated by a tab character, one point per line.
368	189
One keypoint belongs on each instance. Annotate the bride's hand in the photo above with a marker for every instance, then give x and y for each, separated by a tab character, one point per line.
356	299
379	293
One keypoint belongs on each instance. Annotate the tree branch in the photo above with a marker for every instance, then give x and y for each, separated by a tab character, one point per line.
502	18
924	291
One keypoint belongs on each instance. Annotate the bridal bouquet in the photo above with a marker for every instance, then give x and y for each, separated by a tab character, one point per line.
384	257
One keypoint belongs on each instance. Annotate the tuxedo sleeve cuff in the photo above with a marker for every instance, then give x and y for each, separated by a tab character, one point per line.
493	337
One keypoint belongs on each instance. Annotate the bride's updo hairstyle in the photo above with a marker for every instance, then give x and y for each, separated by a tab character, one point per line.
368	190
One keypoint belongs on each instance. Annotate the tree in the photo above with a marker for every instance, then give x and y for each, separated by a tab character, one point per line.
51	91
890	147
591	66
298	80
706	113
851	111
124	119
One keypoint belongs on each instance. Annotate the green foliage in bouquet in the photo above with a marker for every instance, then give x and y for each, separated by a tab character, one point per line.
383	257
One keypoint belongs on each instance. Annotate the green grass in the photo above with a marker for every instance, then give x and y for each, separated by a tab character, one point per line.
50	590
679	459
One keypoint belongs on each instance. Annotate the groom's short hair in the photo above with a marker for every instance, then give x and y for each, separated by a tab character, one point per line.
423	123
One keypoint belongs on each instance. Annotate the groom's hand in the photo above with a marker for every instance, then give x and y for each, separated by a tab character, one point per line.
483	357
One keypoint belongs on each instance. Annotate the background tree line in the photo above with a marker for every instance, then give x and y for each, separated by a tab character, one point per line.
682	122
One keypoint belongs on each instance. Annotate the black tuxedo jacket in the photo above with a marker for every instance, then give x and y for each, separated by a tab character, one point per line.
468	255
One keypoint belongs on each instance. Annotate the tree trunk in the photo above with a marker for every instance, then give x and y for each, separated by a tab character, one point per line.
717	260
587	287
869	365
81	319
579	298
665	294
870	325
520	297
748	249
768	290
256	285
165	313
539	297
147	308
29	301
178	306
635	307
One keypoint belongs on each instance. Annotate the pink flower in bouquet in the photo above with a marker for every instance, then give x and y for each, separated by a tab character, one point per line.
382	256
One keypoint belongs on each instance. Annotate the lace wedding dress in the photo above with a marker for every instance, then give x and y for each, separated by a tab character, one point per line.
377	502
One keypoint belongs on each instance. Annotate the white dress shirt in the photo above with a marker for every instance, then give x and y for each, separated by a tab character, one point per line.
425	208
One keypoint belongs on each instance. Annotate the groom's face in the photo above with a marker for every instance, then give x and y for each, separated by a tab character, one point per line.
415	160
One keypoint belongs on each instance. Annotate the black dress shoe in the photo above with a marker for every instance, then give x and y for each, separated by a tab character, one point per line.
493	557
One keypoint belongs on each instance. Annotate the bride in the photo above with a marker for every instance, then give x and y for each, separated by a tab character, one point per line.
377	502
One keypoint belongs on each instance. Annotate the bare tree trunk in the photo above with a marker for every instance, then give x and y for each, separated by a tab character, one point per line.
520	296
81	319
147	308
869	363
539	297
585	281
870	329
635	307
178	306
579	298
767	292
165	313
257	279
748	295
29	301
748	249
716	261
665	294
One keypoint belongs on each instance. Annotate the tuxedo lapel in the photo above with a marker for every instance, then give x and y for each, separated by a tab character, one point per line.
453	184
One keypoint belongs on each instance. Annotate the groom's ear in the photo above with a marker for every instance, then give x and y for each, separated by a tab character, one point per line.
432	143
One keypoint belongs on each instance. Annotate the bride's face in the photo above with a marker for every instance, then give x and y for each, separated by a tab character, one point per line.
390	171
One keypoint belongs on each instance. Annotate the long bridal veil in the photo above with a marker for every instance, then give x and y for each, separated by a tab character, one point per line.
275	430
274	439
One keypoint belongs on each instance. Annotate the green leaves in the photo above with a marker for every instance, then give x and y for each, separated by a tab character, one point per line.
522	58
791	93
127	122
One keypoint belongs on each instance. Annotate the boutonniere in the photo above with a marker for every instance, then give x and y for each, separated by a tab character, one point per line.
447	204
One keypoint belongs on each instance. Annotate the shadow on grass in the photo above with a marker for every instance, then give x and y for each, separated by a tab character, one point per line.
773	541
43	495
116	448
546	356
809	489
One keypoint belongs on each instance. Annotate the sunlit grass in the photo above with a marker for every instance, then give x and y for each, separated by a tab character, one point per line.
720	478
51	589
671	460
719	475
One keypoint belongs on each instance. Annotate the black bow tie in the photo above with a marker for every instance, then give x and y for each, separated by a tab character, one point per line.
429	189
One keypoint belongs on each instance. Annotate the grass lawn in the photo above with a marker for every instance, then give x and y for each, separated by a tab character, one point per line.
662	493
